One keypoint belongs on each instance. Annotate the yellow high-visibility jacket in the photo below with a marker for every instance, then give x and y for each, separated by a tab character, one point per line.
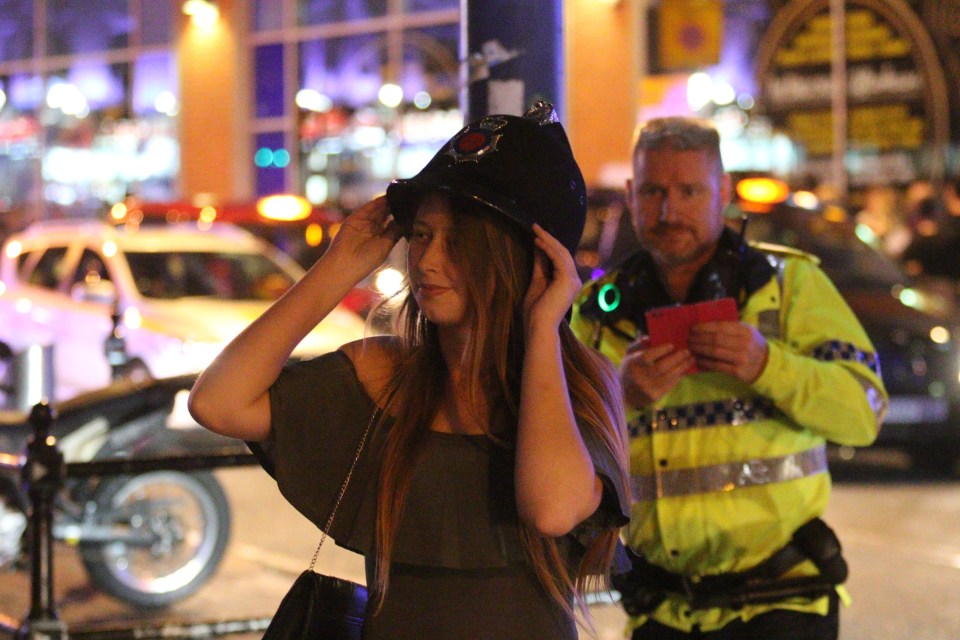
724	472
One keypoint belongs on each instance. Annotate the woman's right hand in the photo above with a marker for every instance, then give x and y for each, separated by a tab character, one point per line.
366	237
231	396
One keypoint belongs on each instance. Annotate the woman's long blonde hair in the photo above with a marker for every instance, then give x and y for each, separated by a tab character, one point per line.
496	263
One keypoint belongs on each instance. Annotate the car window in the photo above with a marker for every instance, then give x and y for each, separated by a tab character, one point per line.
23	260
91	269
48	271
225	275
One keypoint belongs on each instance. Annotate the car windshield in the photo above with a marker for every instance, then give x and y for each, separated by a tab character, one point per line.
844	257
228	276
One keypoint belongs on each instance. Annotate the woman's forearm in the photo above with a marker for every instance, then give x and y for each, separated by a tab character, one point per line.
230	396
556	484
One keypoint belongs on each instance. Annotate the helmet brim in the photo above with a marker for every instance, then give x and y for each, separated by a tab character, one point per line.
404	197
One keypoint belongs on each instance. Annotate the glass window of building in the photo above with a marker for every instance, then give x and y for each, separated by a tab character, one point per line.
20	144
84	113
268	62
16	29
80	26
156	19
359	128
430	5
327	11
374	98
154	84
24	93
430	88
267	15
430	64
271	159
93	120
152	150
346	70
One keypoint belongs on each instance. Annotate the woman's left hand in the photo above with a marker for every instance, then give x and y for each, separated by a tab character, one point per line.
551	291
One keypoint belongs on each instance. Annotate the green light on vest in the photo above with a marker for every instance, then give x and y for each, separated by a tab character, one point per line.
608	297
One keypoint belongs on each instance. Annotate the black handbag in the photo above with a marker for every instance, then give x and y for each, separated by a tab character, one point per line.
320	607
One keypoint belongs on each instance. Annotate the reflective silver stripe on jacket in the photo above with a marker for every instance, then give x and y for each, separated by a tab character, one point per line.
730	476
837	350
878	404
703	414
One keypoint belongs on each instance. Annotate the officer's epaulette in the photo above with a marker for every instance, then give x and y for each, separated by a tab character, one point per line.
784	251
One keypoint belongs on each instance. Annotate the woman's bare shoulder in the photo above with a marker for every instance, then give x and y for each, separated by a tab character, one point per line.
375	360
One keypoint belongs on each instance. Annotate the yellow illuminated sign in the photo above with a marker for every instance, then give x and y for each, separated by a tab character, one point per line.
690	33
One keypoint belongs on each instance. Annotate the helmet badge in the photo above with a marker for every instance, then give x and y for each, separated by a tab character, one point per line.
476	140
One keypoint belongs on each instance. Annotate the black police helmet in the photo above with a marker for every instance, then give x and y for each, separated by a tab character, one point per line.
521	167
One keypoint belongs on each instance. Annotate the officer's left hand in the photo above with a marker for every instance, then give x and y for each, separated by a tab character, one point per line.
731	347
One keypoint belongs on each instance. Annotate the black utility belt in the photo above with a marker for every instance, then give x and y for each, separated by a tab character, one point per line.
647	585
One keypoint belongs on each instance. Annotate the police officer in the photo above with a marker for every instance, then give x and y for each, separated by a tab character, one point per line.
728	434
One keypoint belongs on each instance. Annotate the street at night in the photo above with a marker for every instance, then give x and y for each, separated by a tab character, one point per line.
899	535
749	210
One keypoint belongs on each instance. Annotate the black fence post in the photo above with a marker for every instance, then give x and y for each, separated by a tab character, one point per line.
42	474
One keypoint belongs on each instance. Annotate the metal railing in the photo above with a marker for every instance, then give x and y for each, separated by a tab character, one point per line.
43	472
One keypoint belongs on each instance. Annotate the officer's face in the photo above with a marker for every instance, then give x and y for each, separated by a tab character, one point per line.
677	199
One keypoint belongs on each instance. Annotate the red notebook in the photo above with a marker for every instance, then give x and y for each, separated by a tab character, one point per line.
671	325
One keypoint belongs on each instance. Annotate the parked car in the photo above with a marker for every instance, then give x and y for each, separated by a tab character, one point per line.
914	331
298	228
177	294
301	230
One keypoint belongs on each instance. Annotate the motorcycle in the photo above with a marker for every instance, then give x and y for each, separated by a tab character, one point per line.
150	539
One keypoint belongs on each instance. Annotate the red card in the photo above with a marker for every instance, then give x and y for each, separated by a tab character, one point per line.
671	325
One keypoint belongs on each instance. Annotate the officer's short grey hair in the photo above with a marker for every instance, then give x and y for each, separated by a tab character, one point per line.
679	133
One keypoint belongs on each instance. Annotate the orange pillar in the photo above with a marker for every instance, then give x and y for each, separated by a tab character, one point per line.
215	146
602	41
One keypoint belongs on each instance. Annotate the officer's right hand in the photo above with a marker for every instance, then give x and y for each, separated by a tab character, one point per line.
648	373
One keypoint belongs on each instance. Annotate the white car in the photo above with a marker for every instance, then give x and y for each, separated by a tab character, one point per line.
179	295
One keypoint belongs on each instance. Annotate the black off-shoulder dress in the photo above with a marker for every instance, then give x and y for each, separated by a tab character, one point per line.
458	569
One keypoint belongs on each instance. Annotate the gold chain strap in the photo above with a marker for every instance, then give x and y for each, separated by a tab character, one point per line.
343	487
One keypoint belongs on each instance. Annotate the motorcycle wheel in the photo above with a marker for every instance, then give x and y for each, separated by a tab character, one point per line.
185	519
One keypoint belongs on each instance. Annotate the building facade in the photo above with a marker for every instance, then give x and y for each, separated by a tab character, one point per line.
243	98
330	99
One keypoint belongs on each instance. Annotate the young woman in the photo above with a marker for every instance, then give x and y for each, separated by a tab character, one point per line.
493	483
